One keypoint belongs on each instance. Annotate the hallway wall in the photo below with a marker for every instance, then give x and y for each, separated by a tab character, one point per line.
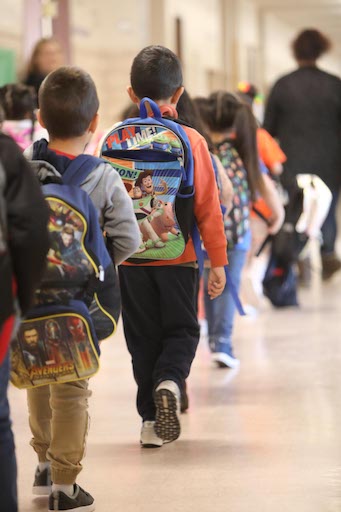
201	39
11	24
223	41
104	42
248	39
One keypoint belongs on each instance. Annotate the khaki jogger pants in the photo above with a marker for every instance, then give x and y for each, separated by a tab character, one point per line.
59	420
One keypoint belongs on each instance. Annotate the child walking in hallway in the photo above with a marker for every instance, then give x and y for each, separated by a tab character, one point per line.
58	413
159	297
233	130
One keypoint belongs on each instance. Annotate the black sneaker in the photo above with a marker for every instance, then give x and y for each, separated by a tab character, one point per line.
42	482
81	501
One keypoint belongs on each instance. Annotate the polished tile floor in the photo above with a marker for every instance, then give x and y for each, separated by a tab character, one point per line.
266	438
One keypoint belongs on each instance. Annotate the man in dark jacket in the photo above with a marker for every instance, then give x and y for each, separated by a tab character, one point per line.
304	112
23	246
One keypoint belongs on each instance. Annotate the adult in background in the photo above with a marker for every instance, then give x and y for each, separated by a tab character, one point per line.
304	113
23	246
47	55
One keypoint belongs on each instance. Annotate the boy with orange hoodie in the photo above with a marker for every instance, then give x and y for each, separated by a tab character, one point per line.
159	297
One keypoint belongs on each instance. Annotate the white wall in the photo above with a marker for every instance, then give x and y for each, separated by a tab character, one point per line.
202	39
104	42
247	35
11	27
277	59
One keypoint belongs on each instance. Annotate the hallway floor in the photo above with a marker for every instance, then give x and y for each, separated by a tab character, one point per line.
265	438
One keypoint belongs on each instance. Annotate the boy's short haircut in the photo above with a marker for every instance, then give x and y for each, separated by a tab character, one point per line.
156	73
68	102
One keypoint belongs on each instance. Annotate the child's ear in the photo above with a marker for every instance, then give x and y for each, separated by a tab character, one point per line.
39	119
132	95
177	95
94	123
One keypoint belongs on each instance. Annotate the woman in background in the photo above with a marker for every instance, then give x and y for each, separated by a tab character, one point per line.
47	55
304	113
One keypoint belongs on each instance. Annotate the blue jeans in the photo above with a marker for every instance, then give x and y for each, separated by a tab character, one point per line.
329	228
220	311
8	466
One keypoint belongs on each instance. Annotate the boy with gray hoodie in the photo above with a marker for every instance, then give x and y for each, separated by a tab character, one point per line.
58	413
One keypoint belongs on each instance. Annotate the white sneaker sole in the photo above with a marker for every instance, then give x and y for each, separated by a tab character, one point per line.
167	422
148	437
42	490
225	361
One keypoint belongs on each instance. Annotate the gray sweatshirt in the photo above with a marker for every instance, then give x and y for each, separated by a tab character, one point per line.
111	200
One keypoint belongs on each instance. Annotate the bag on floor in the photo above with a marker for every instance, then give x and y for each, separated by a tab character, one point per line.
280	283
54	344
153	156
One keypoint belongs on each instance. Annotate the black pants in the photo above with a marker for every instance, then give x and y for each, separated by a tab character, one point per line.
160	326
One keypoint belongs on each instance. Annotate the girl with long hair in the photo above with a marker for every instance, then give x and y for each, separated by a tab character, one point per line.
233	128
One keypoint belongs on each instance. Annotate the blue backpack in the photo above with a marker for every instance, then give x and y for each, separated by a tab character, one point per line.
58	341
78	256
153	156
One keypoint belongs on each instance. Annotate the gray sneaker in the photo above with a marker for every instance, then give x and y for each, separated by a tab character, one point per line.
167	402
42	484
81	501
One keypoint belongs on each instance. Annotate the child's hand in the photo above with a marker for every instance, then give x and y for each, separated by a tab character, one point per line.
216	282
276	221
277	169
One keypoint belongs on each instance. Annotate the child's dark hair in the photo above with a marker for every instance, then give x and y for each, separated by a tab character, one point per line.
18	102
68	102
189	113
204	108
310	44
155	73
228	113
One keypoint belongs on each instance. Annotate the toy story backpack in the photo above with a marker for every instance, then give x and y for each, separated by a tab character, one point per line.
153	156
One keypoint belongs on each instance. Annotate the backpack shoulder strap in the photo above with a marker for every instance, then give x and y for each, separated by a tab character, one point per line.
152	106
79	169
215	168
